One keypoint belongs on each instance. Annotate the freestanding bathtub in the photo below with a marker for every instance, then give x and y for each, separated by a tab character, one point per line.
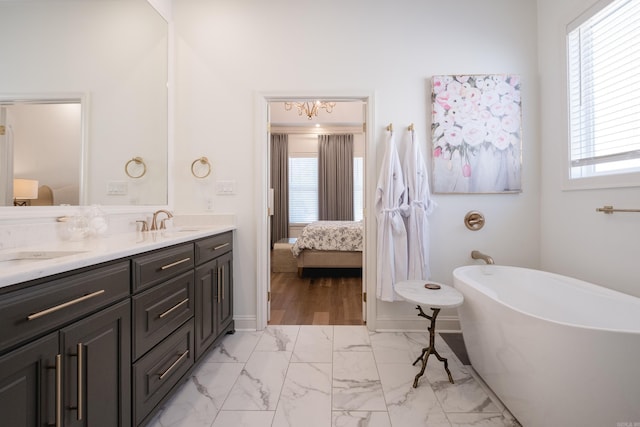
556	350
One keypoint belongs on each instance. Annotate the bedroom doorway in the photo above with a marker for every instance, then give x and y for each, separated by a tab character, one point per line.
325	295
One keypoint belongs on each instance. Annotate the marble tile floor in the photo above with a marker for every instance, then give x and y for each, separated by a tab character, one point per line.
306	376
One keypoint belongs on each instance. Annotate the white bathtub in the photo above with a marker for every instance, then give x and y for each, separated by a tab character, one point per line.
557	351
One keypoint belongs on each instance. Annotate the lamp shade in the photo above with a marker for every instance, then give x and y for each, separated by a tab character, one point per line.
25	189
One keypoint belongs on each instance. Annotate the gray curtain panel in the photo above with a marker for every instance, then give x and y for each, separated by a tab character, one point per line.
280	185
335	177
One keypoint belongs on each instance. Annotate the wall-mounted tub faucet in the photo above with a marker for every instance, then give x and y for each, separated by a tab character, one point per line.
479	255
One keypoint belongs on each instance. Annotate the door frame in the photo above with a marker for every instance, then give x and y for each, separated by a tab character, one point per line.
261	168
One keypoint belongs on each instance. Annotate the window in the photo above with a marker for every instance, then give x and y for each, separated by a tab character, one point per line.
303	190
604	90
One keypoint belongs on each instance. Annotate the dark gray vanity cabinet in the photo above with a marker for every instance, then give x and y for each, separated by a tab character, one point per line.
182	304
163	339
214	290
106	345
65	350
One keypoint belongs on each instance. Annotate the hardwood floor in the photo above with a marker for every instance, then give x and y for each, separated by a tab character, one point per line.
320	297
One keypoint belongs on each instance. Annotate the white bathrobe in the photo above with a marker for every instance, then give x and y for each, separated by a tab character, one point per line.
419	207
392	236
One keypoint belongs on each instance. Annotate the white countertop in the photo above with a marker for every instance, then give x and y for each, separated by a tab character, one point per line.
415	292
92	251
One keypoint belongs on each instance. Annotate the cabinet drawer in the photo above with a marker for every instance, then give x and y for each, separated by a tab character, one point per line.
160	265
160	310
212	247
156	373
29	312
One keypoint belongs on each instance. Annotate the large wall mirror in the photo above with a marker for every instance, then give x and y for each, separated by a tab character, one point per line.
83	92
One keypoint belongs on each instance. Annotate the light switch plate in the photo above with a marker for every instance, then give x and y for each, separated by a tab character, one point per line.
226	187
117	188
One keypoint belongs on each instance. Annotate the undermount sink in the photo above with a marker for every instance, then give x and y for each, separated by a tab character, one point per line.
187	229
36	255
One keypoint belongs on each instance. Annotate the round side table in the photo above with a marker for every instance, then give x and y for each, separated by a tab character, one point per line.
443	297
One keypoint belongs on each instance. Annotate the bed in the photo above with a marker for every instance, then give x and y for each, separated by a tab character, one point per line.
329	244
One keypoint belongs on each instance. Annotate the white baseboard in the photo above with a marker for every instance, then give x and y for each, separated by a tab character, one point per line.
245	323
383	324
415	324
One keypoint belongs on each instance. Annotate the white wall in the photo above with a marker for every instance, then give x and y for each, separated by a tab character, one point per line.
575	239
227	51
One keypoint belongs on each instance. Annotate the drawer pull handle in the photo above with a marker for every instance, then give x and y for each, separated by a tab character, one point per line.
173	365
224	245
166	313
64	305
173	264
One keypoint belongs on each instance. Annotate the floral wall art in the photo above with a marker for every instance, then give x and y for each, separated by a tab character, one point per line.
477	134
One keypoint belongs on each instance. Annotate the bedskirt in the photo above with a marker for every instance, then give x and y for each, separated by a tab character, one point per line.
328	259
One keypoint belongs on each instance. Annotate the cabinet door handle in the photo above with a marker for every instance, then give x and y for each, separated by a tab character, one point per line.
215	248
219	283
58	368
173	365
80	377
64	305
222	276
184	301
173	264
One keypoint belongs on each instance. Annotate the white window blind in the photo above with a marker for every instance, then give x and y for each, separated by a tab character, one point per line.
303	190
604	91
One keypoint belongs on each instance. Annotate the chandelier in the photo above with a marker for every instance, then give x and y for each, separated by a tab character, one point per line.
310	108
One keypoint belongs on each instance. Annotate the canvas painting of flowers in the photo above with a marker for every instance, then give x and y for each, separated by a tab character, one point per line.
476	133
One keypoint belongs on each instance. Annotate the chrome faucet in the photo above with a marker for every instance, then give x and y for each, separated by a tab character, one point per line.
154	220
479	255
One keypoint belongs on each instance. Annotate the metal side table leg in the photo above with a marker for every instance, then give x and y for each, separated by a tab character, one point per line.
427	351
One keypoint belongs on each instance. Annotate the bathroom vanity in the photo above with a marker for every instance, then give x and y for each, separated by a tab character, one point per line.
110	328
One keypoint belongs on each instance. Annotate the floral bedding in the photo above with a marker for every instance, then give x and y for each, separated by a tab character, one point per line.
330	236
